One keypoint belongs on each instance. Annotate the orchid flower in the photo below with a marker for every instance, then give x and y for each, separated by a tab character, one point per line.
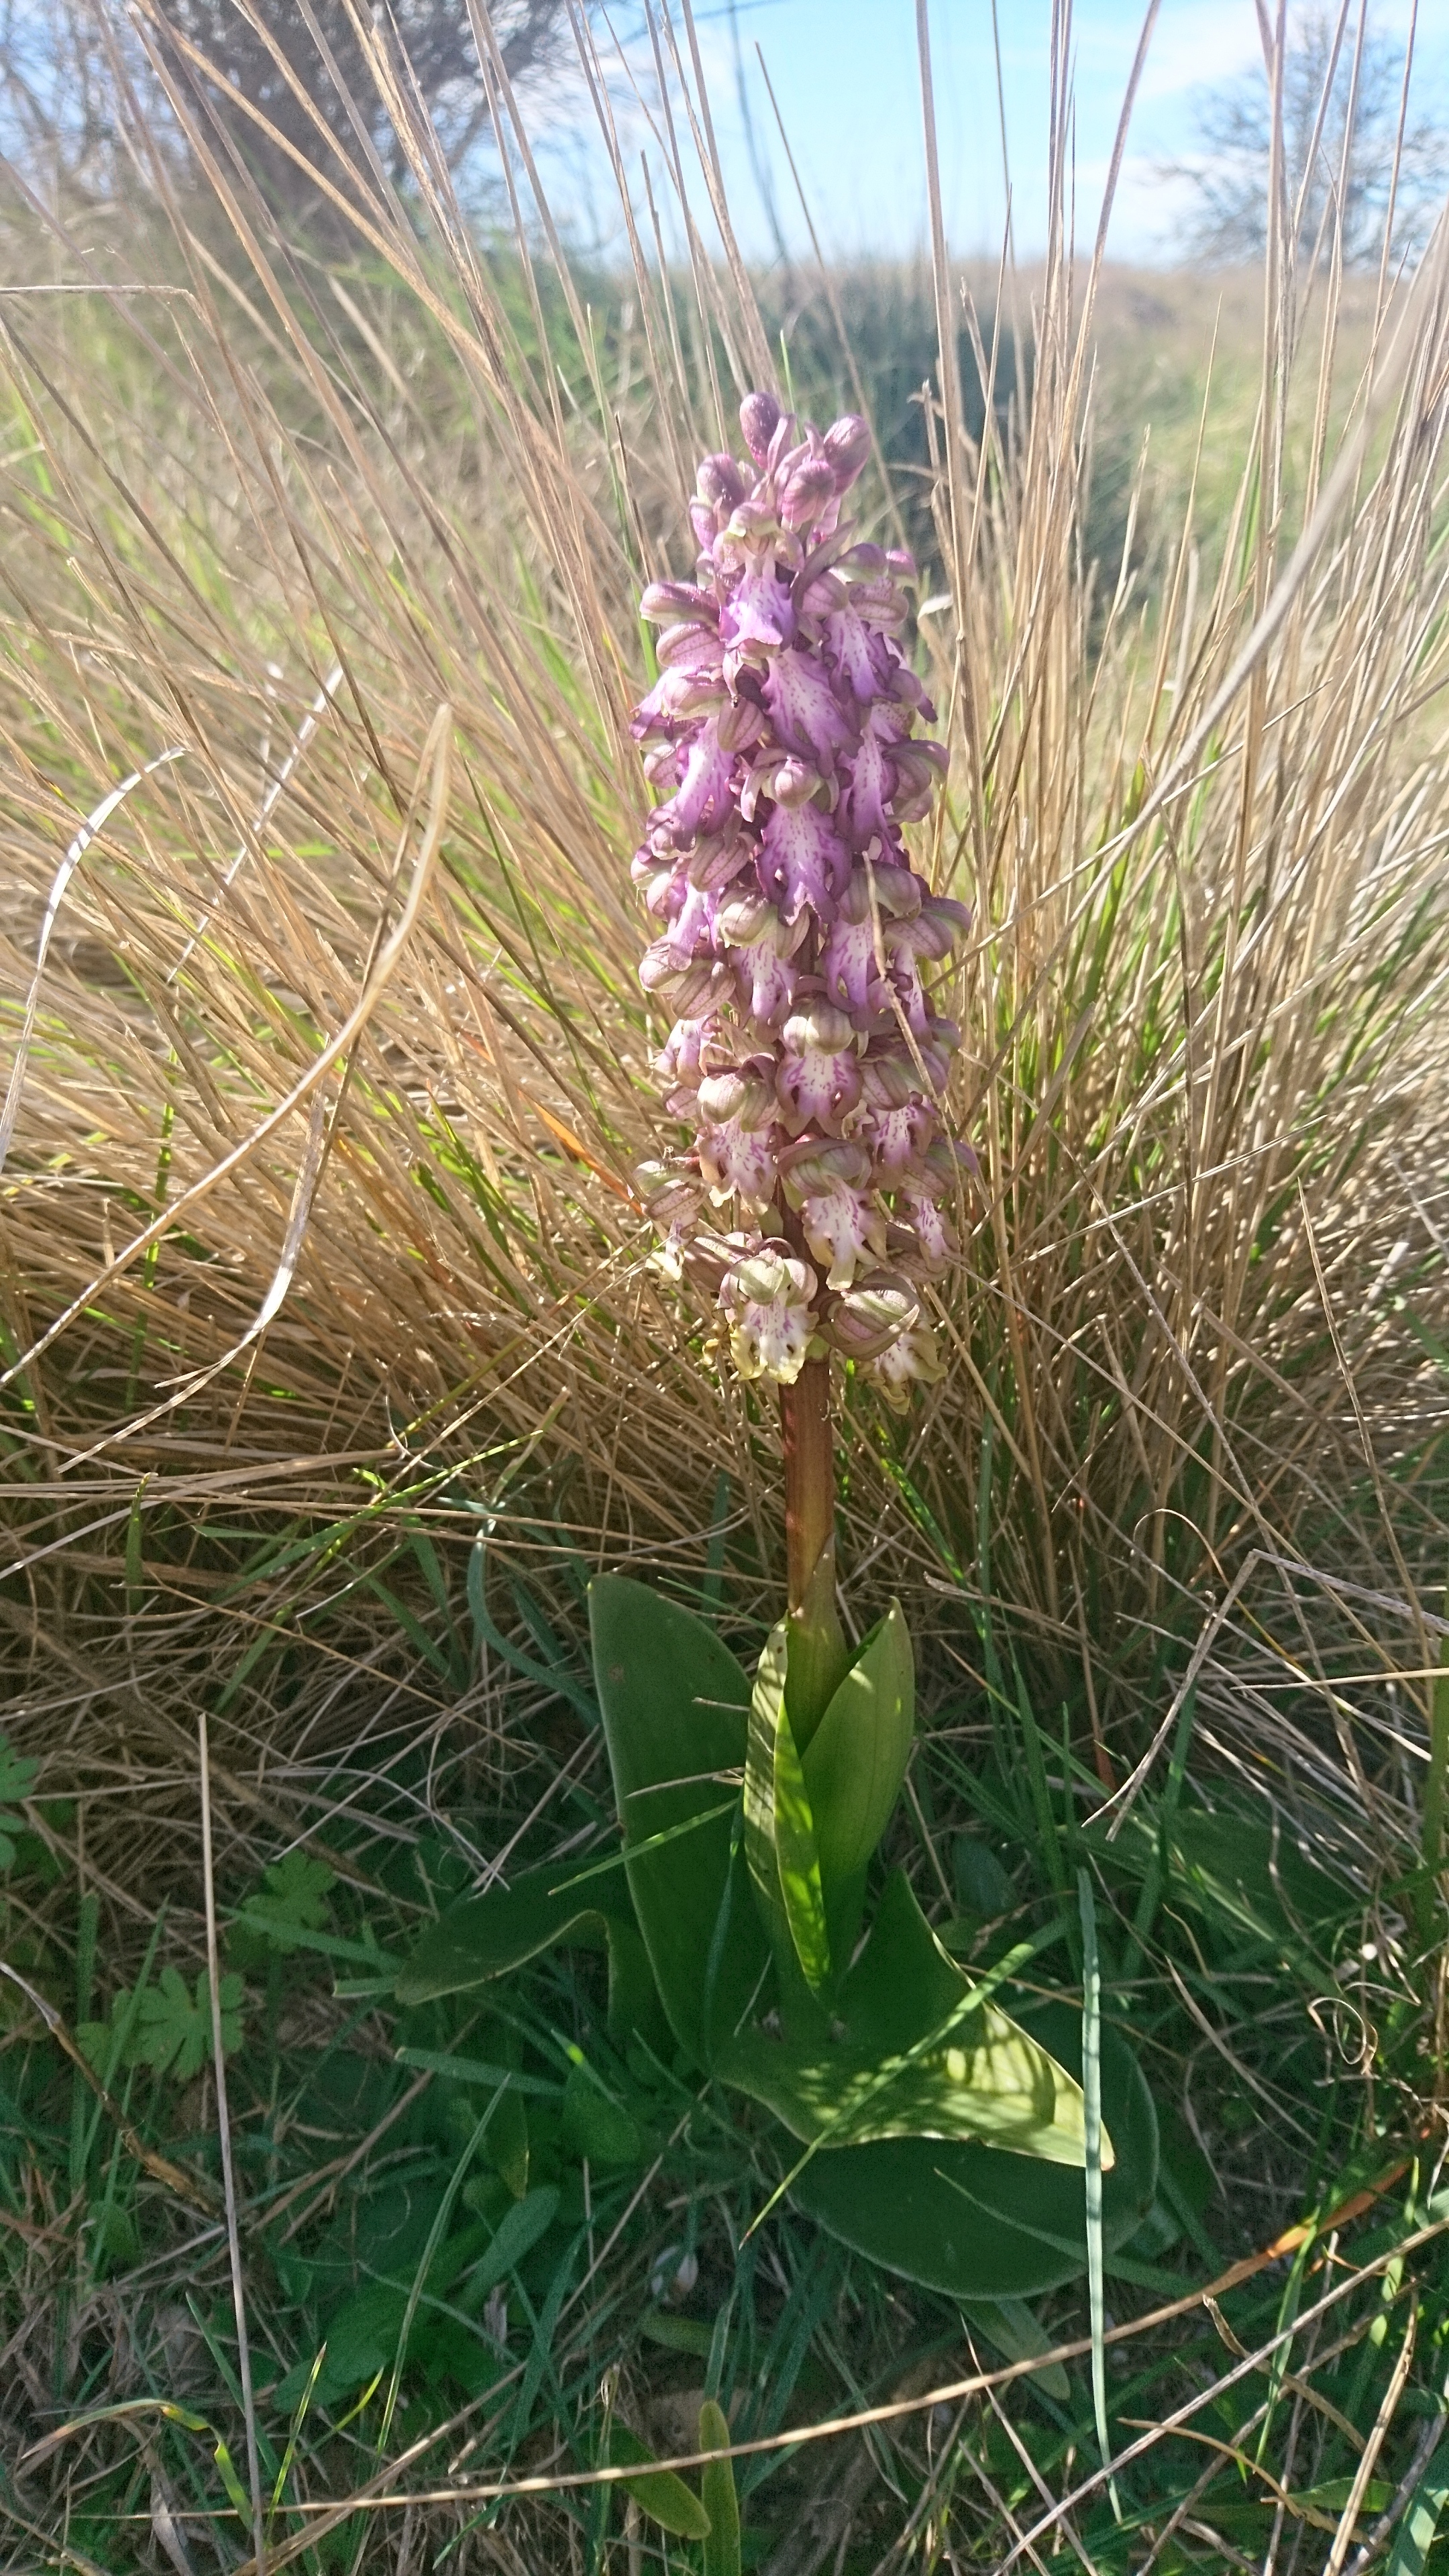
795	939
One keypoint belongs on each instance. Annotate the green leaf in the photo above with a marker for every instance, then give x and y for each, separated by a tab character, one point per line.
678	2334
854	1764
170	2026
717	2495
115	2241
362	2340
555	1676
982	1886
290	1904
365	2332
517	2233
103	2044
232	2483
1330	2496
780	1843
634	2006
674	1702
505	2142
920	2056
488	1936
1017	2331
1253	1872
596	2127
663	2496
18	1774
1415	2535
977	2223
478	2070
856	1759
818	1654
1092	2097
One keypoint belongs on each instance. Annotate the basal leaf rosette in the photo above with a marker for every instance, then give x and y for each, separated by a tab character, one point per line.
796	944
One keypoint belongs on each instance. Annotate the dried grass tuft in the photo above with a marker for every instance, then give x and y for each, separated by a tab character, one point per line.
268	516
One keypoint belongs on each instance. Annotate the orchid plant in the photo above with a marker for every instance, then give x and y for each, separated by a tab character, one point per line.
816	1197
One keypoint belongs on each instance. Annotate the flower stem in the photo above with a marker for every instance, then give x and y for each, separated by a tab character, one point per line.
819	1656
809	1474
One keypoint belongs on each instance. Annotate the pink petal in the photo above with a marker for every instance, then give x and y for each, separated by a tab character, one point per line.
703	802
767	1299
872	785
898	1137
933	1231
847	963
760	609
739	1162
767	981
802	861
839	1226
911	1358
807	715
858	651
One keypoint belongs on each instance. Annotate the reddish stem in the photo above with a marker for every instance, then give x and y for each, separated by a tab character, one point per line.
809	1474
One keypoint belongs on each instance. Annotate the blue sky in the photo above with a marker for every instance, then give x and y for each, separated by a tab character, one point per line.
845	73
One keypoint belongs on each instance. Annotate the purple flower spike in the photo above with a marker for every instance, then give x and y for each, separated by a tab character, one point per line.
798	951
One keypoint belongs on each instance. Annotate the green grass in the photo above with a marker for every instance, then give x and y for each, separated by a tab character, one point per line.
1244	1966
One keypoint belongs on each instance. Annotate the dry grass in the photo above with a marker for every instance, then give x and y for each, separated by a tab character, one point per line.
1201	1047
351	553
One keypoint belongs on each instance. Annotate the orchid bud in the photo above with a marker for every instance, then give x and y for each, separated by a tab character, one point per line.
720	482
950	1161
898	893
683	984
741	1095
810	486
867	1320
847	445
739	724
746	918
679	1058
692	644
667	1190
716	861
759	419
677	599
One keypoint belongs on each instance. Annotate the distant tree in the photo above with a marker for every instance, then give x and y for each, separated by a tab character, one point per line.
58	57
1343	107
435	37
